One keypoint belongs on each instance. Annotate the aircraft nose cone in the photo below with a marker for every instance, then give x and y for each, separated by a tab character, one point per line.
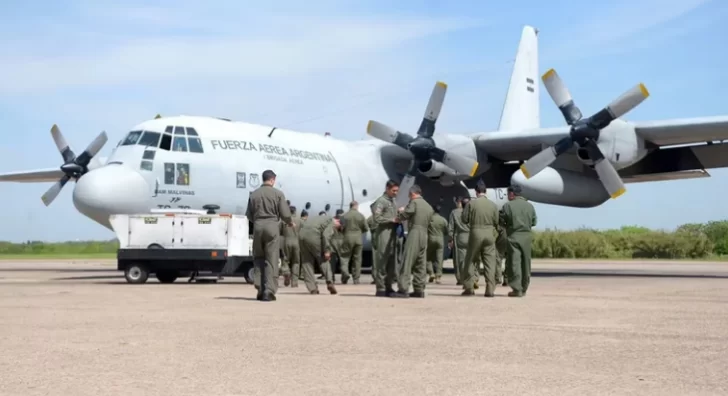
111	189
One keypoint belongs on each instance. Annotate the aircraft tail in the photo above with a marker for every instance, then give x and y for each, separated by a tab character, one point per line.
521	108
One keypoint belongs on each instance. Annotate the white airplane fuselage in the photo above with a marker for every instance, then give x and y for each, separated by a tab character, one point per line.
316	172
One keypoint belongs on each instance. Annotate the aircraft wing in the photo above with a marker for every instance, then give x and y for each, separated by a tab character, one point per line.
33	176
678	149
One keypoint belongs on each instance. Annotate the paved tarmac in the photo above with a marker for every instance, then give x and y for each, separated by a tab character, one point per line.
651	328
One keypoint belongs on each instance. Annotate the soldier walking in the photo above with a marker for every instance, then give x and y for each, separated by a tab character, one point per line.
266	208
519	218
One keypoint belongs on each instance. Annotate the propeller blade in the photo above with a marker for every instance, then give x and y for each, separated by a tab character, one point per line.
52	192
546	157
538	162
620	106
93	148
607	174
456	162
388	134
407	182
561	96
63	147
434	106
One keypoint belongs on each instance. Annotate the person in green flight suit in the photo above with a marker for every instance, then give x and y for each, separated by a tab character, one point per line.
303	218
437	231
266	208
372	226
501	247
458	233
481	214
418	215
291	259
385	216
519	217
353	227
337	243
316	234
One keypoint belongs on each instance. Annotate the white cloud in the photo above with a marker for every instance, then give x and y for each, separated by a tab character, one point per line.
152	49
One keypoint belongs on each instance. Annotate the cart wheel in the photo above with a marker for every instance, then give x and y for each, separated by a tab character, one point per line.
136	273
167	276
250	276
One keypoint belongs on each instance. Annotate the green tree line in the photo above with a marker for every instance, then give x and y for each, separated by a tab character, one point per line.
689	241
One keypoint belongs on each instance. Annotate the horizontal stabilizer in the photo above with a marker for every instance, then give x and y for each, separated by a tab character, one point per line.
34	176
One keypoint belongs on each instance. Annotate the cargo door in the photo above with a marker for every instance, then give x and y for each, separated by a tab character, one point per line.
145	231
203	232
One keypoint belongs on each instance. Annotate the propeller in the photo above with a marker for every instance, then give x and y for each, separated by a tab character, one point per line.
73	167
585	131
422	146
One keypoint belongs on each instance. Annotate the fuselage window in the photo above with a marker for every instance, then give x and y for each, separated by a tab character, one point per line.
180	143
178	130
308	205
364	192
327	207
183	174
147	166
150	139
169	173
132	138
166	143
195	145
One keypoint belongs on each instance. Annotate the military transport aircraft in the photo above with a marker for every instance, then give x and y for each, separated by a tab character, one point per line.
188	161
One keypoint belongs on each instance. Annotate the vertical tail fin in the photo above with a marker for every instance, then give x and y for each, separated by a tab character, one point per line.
521	108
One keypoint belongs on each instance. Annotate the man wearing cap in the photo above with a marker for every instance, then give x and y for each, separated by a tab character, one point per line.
518	218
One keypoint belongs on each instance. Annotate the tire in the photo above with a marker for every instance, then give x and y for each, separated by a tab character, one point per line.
136	274
250	276
155	246
167	276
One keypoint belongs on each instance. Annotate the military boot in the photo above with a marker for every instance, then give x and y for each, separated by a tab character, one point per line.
417	294
331	288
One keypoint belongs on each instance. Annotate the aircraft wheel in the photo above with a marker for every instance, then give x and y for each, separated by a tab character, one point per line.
136	274
167	276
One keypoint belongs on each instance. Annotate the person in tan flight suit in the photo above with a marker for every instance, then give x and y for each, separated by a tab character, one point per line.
266	208
291	260
353	227
437	231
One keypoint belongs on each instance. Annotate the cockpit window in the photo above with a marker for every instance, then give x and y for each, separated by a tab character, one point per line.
195	144
166	143
180	143
150	139
178	130
131	138
168	129
191	131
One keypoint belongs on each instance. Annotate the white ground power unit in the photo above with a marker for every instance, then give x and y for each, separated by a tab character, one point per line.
177	244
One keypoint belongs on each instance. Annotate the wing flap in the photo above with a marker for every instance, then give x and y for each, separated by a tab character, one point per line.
683	130
34	176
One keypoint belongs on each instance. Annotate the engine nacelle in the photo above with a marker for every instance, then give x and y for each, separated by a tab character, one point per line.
562	187
435	170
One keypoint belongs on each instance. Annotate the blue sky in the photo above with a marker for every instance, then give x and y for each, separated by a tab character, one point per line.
333	65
